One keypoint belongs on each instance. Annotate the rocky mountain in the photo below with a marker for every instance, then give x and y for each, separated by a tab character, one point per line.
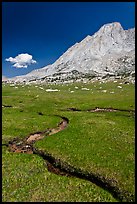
110	52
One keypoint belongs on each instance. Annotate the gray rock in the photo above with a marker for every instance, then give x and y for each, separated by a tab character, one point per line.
110	52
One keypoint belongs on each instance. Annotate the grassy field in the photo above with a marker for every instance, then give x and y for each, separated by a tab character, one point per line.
95	143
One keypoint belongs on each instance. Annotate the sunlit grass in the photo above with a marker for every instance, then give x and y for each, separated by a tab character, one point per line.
101	143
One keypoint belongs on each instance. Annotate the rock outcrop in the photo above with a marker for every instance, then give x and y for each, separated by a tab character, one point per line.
110	52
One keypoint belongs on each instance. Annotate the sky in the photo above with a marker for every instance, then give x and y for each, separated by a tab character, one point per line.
36	34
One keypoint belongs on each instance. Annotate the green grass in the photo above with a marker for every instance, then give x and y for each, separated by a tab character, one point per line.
25	178
100	143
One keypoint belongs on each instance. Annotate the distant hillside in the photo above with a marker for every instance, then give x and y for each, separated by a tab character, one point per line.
4	78
110	52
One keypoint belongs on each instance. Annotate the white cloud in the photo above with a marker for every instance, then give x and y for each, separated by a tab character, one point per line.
21	60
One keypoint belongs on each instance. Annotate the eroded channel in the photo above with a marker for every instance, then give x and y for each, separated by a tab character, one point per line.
58	167
97	109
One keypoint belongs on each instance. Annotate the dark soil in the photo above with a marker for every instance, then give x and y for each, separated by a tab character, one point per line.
25	146
7	106
56	166
97	109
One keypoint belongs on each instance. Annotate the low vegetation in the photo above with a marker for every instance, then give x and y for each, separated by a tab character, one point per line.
98	144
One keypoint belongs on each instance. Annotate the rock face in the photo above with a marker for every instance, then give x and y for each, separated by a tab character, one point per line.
110	52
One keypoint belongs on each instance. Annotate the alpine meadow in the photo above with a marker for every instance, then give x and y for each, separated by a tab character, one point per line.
68	129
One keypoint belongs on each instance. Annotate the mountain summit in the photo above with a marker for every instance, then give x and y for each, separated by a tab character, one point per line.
110	52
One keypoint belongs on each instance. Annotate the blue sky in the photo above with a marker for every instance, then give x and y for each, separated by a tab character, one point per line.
45	30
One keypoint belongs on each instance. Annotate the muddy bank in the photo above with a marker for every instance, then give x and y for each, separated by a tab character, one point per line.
6	106
97	109
58	167
26	145
61	168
